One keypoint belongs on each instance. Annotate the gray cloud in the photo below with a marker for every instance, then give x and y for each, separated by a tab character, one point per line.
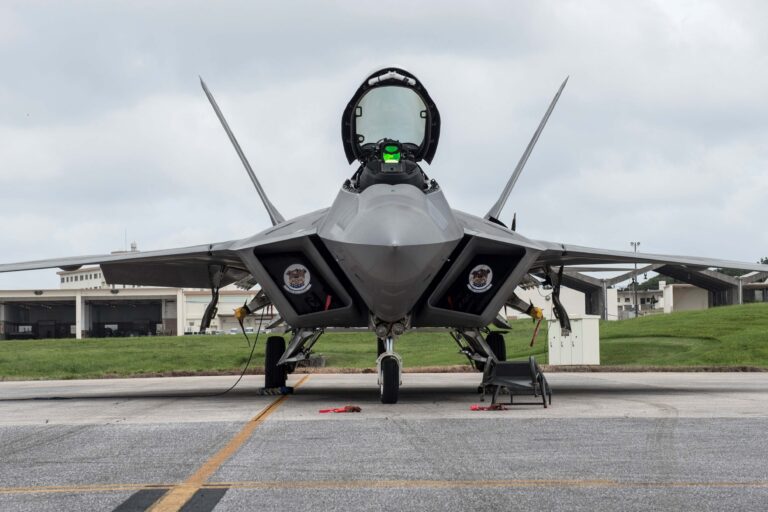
659	136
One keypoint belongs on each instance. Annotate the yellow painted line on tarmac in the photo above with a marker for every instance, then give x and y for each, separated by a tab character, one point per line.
174	499
81	488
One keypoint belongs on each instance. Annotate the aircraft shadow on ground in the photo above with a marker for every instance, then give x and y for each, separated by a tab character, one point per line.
408	394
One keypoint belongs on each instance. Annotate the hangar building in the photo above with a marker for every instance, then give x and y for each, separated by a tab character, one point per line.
86	306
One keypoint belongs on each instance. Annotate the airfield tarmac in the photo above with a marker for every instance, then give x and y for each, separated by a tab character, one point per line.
610	441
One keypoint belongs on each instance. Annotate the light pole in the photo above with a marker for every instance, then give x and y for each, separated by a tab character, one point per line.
635	245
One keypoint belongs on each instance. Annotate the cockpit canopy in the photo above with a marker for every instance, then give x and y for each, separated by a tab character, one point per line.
391	104
390	112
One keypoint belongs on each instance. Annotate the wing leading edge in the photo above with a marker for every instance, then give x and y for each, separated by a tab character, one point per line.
556	254
184	267
180	267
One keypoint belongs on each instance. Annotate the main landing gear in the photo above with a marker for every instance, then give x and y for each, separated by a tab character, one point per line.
275	376
281	359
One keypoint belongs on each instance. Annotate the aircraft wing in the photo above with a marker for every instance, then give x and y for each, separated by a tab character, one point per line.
181	267
195	266
557	254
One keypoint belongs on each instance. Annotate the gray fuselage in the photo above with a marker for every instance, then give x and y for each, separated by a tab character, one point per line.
390	241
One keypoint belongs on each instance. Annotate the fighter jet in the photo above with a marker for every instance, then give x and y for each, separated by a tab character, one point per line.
389	255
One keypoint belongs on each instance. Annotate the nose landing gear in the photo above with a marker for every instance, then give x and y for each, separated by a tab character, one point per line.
389	365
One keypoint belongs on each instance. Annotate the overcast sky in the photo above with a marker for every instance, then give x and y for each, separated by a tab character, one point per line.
661	134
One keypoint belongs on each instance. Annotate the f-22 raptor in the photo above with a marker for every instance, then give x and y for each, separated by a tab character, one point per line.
389	255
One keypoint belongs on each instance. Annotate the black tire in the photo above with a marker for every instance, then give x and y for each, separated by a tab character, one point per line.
274	376
390	380
495	341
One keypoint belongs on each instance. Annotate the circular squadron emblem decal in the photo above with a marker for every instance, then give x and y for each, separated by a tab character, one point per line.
297	279
480	278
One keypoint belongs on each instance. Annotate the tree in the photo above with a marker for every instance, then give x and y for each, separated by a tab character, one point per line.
653	283
763	260
731	271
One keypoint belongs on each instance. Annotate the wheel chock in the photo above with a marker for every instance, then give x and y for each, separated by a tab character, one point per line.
283	390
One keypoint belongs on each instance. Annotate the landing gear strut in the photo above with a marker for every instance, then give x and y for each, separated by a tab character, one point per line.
389	365
380	348
479	349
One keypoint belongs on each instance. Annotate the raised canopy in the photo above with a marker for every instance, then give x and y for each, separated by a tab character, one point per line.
390	104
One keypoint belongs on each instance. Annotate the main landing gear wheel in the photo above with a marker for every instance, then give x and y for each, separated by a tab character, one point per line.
389	387
495	341
274	375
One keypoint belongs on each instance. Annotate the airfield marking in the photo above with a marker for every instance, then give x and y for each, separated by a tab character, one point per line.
180	494
52	489
141	500
388	484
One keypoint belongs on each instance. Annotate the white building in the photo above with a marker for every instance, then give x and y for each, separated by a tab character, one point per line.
574	302
86	278
648	301
86	306
682	297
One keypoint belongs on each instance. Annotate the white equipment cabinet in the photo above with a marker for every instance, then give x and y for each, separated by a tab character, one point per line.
582	346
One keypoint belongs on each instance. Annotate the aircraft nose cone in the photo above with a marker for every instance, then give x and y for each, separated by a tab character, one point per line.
391	244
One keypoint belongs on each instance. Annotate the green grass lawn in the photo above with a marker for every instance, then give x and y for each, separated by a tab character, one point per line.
726	336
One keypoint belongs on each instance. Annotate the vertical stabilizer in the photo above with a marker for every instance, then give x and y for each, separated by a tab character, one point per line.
274	215
495	211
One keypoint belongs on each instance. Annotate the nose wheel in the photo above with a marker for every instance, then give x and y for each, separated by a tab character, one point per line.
389	380
389	365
